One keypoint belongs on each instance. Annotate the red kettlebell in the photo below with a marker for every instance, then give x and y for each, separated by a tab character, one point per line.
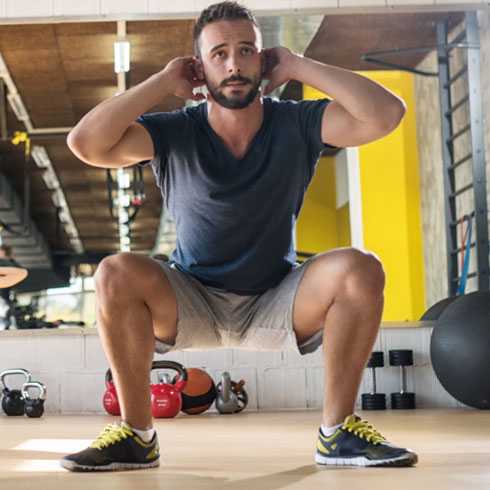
166	398
111	404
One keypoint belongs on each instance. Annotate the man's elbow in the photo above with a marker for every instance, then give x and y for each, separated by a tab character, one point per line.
78	148
396	114
78	153
73	143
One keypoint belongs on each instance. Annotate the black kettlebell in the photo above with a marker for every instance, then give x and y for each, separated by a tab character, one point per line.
231	397
34	407
12	400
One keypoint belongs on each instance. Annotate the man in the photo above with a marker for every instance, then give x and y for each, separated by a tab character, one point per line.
233	171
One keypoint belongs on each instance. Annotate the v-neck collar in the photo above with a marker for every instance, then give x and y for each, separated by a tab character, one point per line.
265	121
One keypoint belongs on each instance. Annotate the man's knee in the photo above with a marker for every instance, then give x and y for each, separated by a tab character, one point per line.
110	273
126	273
365	271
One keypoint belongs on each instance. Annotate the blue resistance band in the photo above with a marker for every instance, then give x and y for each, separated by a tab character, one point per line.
466	263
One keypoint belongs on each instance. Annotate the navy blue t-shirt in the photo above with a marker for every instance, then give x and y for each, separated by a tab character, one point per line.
235	218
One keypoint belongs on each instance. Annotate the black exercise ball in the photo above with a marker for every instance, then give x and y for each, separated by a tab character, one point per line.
460	349
435	311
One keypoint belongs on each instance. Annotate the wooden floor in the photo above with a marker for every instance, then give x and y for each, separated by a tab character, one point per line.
252	451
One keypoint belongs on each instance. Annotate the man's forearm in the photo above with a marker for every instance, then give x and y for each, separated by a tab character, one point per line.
364	99
102	127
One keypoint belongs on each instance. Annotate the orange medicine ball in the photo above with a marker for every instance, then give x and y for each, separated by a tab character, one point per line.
199	392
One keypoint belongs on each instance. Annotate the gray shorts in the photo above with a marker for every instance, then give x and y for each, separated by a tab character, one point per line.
211	318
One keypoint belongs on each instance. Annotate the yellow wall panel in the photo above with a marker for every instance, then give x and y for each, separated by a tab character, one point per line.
390	205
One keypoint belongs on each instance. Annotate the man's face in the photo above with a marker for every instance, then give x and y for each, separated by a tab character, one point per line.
231	61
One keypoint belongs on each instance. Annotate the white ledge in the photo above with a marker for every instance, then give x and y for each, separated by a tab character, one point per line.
93	331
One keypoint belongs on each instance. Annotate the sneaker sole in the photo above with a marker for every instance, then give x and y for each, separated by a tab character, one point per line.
72	466
407	460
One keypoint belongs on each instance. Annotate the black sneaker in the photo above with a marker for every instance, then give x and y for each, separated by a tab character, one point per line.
357	443
116	448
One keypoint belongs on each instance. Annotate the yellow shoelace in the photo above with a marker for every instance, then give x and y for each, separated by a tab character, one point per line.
363	429
111	434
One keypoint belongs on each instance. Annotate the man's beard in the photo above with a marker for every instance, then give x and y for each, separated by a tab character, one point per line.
235	102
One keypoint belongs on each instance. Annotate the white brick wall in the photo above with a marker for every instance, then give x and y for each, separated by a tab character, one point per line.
74	10
87	7
82	391
72	365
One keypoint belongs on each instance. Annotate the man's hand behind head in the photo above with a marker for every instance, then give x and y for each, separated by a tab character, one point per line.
277	67
184	75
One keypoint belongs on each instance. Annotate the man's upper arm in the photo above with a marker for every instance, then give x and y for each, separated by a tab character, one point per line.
340	128
134	146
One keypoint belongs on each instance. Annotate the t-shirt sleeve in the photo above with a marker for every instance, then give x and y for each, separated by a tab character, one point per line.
155	123
310	113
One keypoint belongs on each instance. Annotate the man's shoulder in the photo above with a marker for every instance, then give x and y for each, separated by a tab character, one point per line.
284	106
176	118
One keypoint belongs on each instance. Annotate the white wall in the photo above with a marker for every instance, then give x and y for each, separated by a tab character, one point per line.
29	11
72	365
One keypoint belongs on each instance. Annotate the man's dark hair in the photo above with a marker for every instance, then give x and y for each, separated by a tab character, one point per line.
220	11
